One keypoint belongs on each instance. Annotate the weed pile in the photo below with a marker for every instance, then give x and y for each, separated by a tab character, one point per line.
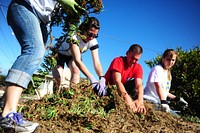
79	110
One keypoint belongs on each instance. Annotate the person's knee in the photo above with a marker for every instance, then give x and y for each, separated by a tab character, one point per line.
76	77
76	71
40	51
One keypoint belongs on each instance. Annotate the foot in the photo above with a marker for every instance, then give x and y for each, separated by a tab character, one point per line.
14	121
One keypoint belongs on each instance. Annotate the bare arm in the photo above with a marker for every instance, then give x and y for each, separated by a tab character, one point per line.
77	59
170	95
139	89
97	63
139	103
134	105
117	80
159	90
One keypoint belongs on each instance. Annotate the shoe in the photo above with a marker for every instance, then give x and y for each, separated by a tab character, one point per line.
15	121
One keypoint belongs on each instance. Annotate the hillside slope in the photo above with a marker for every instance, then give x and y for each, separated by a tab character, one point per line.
78	110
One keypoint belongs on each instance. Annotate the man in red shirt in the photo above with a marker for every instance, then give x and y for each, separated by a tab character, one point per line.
127	74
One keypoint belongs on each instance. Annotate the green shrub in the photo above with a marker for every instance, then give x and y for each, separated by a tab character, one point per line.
2	80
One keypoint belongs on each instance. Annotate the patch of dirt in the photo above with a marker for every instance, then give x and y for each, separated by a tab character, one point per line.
119	118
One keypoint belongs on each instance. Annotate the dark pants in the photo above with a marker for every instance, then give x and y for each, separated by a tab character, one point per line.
130	88
62	59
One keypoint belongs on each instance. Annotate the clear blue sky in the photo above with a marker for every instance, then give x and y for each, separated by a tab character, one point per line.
154	24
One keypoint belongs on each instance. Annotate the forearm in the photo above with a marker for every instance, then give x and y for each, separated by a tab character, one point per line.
98	69
159	91
140	93
121	89
123	93
171	96
97	64
77	59
160	94
83	68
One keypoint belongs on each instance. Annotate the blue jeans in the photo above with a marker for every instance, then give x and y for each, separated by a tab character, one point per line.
158	107
32	35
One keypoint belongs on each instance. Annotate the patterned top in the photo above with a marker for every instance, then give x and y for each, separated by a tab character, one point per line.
66	50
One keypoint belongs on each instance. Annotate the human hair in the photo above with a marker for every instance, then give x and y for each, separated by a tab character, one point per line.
168	53
89	23
136	48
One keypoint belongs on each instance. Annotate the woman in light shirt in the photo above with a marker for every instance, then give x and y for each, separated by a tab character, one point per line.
159	82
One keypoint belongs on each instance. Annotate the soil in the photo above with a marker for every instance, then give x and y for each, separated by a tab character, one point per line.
120	118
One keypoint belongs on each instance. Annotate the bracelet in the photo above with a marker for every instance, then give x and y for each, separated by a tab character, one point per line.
164	102
101	77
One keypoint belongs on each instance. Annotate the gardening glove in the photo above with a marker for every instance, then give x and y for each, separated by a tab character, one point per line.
93	81
181	102
99	87
164	106
71	6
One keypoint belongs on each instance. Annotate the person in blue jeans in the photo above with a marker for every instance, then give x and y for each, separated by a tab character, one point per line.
28	20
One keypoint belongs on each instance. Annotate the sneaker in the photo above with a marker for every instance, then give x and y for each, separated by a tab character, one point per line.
16	122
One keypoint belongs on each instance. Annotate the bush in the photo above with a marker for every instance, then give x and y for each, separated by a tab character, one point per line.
2	80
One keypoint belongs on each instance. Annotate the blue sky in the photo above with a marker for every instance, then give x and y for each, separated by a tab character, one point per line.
154	24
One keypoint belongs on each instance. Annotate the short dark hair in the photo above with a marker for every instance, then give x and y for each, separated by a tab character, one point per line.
136	48
89	23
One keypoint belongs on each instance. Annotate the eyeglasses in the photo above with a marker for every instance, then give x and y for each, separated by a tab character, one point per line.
89	34
170	59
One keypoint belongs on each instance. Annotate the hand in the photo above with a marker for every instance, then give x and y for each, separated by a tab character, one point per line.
71	5
136	106
140	106
141	109
129	102
99	87
165	108
93	81
182	103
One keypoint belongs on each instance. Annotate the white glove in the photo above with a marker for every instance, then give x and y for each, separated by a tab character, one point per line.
182	103
165	108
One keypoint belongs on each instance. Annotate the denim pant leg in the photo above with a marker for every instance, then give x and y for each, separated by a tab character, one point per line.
27	29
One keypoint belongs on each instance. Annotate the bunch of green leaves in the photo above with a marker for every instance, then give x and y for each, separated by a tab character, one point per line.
78	101
2	80
35	82
70	21
186	77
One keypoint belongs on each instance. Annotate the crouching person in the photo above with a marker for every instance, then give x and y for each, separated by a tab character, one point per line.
126	74
159	83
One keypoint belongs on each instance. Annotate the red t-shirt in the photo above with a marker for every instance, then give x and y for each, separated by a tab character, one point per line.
119	65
